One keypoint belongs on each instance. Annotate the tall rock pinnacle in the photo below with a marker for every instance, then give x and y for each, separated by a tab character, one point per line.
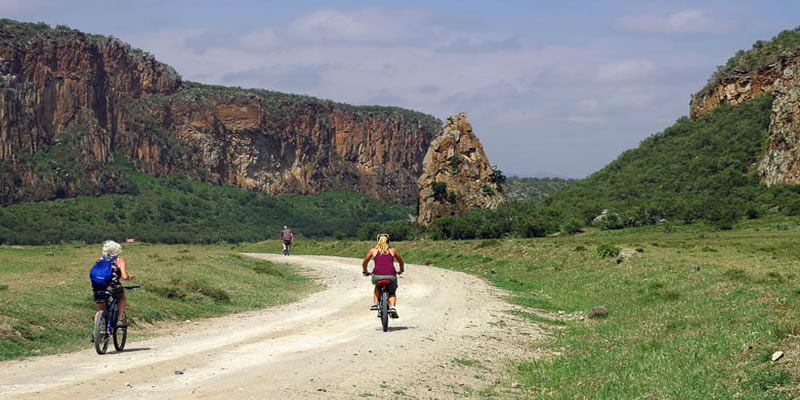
456	174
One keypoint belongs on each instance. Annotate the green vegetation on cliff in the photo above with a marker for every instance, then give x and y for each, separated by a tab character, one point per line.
178	210
521	189
762	54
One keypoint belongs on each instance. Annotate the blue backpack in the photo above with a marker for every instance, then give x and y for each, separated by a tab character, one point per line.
100	274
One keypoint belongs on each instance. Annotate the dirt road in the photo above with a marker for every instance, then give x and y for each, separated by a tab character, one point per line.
454	338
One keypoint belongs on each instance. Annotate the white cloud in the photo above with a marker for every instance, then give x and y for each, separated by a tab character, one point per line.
264	39
364	26
531	97
626	70
680	23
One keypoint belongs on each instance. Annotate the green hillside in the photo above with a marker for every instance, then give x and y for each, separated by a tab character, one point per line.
520	189
702	169
696	170
179	210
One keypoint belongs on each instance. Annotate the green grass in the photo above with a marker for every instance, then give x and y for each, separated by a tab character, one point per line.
670	333
46	304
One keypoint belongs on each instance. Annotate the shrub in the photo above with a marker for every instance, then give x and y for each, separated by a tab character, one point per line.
606	250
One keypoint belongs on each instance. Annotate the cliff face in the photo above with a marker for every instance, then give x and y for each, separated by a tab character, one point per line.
781	164
739	88
77	111
457	175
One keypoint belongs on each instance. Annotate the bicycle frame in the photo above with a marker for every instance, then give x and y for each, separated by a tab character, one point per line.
110	309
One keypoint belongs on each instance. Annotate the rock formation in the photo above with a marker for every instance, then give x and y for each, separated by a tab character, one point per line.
456	174
78	112
781	164
740	87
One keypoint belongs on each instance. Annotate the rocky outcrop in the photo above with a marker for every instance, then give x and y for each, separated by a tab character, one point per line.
456	174
78	111
739	87
781	164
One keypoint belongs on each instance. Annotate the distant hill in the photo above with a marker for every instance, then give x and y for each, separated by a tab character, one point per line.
522	189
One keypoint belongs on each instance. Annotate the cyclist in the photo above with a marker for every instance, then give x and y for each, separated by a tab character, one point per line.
287	237
119	270
384	269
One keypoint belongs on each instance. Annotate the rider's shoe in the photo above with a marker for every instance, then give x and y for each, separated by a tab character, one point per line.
393	313
374	307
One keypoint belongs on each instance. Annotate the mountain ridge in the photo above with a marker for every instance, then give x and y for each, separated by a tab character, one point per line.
77	108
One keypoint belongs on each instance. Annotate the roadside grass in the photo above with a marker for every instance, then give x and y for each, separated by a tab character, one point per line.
670	333
46	305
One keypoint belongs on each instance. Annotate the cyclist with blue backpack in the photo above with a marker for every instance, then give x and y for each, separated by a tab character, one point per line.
106	274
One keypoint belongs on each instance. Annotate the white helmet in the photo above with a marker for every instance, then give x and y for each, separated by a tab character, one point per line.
111	248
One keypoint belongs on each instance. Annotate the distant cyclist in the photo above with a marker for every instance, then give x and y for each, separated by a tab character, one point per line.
287	237
384	269
119	270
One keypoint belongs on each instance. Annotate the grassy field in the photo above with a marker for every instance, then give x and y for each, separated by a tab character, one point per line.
45	296
670	333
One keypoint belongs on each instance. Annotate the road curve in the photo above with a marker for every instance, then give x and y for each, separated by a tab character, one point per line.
452	338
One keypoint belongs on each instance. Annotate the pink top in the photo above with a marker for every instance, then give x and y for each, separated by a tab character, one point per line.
384	265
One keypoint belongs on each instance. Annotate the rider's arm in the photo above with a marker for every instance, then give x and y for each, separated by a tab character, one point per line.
123	269
399	260
365	263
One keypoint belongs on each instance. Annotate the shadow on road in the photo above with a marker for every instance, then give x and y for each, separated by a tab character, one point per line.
398	328
134	349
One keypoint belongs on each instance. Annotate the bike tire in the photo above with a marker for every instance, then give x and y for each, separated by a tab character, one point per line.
99	333
121	334
385	310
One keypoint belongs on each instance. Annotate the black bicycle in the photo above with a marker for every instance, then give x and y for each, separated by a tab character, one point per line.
383	302
105	323
287	247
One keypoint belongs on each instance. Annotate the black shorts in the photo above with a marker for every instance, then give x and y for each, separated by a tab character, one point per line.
287	242
117	291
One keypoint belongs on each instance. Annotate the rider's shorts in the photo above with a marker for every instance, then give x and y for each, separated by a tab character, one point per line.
287	242
392	286
116	292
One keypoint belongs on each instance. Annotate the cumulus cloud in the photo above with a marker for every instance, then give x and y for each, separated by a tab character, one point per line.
678	23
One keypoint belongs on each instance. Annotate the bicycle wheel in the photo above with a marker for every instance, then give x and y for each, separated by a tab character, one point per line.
121	334
385	310
100	336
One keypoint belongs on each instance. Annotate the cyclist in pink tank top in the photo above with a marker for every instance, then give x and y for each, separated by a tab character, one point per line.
384	270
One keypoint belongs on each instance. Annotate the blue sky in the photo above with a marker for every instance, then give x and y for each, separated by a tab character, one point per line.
552	88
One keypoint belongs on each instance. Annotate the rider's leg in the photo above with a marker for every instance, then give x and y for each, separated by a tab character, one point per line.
122	303
392	300
375	294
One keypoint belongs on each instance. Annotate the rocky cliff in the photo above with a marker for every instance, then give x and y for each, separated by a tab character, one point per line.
457	175
77	111
739	87
769	67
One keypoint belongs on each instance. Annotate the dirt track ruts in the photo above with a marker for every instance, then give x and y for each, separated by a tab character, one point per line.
453	339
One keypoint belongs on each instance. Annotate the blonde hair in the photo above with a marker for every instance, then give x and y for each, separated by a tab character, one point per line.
383	244
111	248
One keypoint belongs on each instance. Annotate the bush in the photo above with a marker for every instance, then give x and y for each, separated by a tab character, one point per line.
606	250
